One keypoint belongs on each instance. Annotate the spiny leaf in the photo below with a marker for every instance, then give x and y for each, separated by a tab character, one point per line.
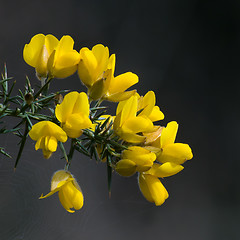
105	123
96	117
109	174
63	151
2	151
23	141
80	148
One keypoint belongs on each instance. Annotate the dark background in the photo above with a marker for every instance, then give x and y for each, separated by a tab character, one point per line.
187	52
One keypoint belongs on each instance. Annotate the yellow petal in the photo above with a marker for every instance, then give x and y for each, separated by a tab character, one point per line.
64	200
122	82
176	153
67	60
51	43
121	96
49	194
77	200
131	137
169	134
40	143
129	109
152	189
147	103
82	104
140	156
138	153
73	195
52	144
120	106
165	170
137	124
87	66
63	60
156	114
65	109
101	54
75	123
65	45
65	65
78	121
32	50
111	63
72	133
64	72
126	167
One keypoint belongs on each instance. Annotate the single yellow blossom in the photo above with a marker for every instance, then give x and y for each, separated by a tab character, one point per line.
96	71
172	152
135	159
146	106
64	59
92	64
127	124
69	192
152	189
47	134
73	113
38	51
116	86
52	57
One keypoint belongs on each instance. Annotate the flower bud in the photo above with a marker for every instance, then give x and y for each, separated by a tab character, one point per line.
29	98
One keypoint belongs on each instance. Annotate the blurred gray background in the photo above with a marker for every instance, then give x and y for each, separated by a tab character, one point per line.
188	53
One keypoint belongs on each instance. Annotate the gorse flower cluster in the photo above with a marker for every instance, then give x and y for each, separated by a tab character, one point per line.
129	142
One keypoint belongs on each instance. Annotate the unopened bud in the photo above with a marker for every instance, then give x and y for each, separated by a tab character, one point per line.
29	98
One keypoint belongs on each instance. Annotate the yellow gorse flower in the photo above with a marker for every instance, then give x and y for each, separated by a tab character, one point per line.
116	86
49	56
69	192
152	189
135	159
136	115
73	113
172	152
127	124
96	71
169	156
92	64
47	134
146	106
64	59
38	51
